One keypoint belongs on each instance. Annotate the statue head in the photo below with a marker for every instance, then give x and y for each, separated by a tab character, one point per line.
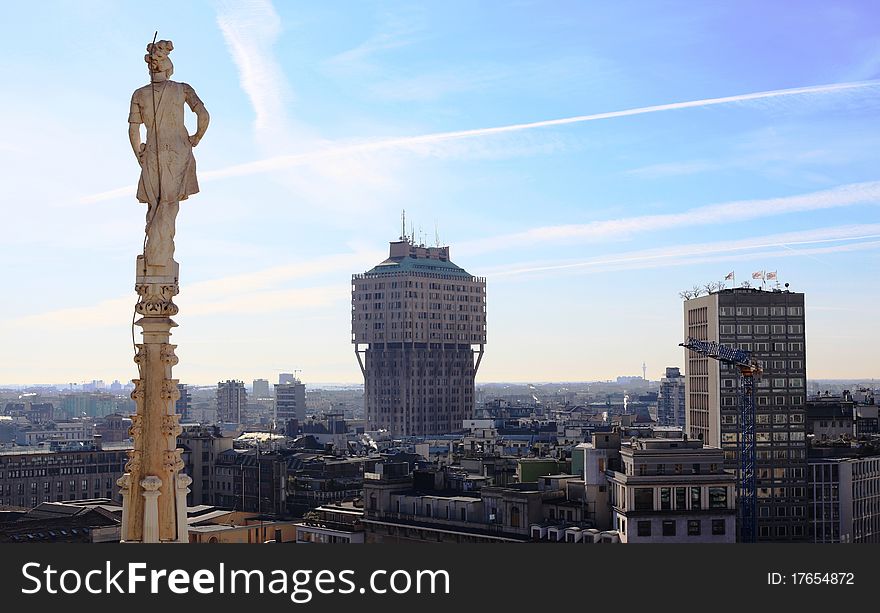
157	60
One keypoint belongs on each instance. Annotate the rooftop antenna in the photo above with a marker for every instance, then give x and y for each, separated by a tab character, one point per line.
412	232
403	224
436	235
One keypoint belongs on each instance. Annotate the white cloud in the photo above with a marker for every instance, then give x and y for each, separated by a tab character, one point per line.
808	243
743	210
326	151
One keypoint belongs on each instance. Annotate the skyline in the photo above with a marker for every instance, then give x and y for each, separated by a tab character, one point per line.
588	165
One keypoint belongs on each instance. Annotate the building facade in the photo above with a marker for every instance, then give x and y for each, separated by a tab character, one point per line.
56	473
771	325
845	500
671	399
290	402
183	405
672	491
261	388
205	444
231	401
419	317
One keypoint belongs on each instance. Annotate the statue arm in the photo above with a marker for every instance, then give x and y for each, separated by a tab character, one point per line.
134	136
203	119
134	128
198	107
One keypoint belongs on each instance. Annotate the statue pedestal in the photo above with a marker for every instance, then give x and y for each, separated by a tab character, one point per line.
153	488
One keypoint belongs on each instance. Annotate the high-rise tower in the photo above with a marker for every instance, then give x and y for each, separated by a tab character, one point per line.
770	324
420	317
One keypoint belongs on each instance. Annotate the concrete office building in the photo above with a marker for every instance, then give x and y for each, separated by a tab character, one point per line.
671	399
184	403
771	325
204	444
231	401
672	491
844	499
420	317
261	388
290	402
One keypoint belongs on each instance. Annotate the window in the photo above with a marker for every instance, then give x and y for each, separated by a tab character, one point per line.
514	517
718	527
744	310
762	329
665	499
643	528
717	497
744	329
680	498
644	498
669	527
694	527
696	495
727	329
796	329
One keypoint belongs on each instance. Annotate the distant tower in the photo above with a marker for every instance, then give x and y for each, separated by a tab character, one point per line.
231	401
644	371
290	402
420	317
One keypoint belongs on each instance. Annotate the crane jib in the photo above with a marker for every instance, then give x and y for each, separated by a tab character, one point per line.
713	349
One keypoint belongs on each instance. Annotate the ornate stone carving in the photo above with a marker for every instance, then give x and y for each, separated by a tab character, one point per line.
134	461
140	355
124	482
151	484
173	463
138	393
170	390
136	428
167	354
156	300
171	426
183	481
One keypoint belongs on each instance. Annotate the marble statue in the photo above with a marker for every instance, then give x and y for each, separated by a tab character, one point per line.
168	168
154	489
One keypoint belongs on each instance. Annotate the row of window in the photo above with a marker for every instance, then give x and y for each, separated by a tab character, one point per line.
669	527
762	329
776	311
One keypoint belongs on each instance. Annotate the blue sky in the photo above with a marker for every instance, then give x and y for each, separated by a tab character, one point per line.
328	120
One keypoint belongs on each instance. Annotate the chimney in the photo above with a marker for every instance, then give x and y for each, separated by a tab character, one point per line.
98	442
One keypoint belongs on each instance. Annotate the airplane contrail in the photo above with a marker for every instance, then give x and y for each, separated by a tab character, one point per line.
286	161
